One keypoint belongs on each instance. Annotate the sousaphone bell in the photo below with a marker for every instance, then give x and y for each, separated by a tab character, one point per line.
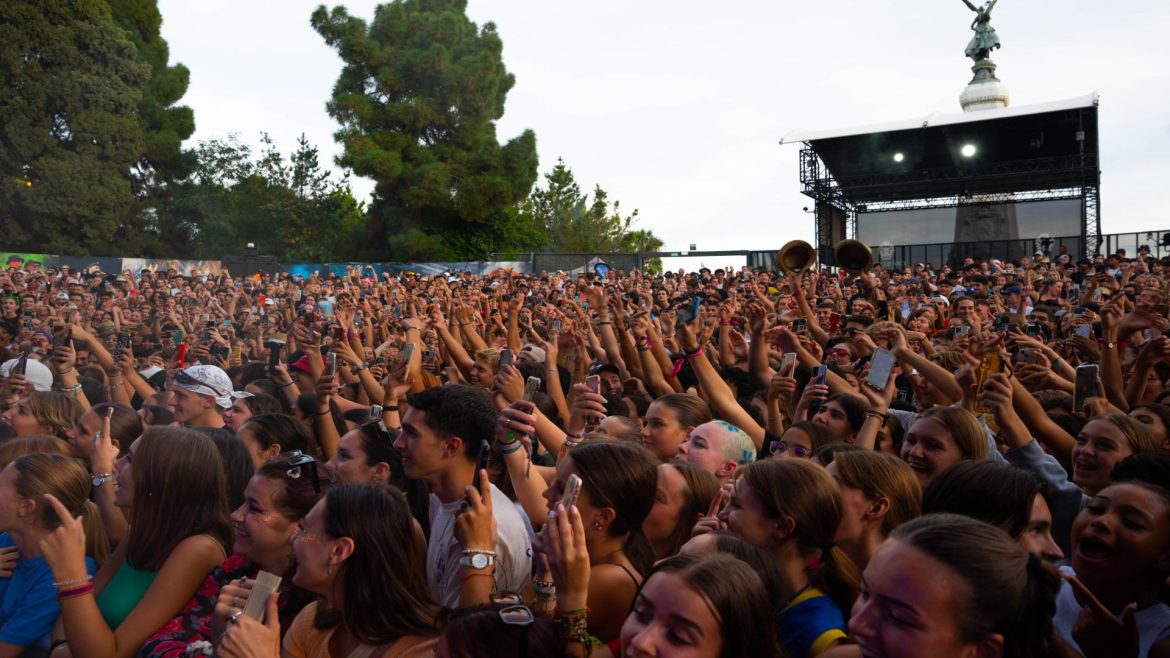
796	257
853	256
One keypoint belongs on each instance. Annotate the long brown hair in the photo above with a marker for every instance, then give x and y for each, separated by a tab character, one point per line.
45	473
879	475
701	487
806	493
383	583
57	410
179	492
624	477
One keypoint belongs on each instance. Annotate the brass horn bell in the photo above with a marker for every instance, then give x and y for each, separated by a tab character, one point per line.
853	256
796	257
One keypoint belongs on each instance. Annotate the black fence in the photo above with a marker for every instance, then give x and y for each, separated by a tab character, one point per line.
953	253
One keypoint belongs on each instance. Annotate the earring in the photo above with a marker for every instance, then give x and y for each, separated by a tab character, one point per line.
597	524
329	566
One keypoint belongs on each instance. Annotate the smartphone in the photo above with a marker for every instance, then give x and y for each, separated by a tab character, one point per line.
20	366
834	322
962	330
1085	386
273	356
64	337
990	365
428	358
696	306
485	450
121	345
788	364
531	386
507	358
1033	329
407	352
572	491
1080	310
594	383
237	352
820	373
181	353
1009	327
881	366
263	588
799	325
1074	292
556	325
1084	331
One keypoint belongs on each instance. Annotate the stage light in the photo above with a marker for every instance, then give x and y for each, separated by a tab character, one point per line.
898	157
968	150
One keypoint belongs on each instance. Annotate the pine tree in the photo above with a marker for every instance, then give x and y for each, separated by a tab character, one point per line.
418	99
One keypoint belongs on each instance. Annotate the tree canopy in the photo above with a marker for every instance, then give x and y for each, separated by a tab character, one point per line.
70	81
572	222
418	99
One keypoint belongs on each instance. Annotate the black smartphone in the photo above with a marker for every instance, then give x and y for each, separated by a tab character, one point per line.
273	356
820	374
485	450
799	325
121	346
1085	386
20	366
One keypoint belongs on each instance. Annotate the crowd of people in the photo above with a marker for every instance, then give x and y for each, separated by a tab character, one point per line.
968	461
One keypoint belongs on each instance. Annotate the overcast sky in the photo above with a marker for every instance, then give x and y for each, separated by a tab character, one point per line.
676	107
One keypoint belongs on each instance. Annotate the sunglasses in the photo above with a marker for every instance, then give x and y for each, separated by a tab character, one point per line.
187	380
520	615
297	461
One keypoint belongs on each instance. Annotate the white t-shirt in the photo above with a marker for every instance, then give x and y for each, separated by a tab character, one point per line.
513	549
1153	623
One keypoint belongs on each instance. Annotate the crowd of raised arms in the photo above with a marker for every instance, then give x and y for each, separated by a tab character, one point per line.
968	461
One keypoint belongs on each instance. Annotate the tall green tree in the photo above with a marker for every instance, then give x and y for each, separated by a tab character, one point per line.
289	207
165	123
573	222
418	99
70	81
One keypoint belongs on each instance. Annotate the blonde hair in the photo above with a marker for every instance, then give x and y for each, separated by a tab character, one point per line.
964	428
490	355
14	449
64	477
1137	434
57	410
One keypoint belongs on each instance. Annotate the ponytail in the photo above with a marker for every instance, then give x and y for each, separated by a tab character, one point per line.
1032	633
636	545
836	576
97	543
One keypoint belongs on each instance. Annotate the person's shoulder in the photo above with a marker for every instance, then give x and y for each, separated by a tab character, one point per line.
199	547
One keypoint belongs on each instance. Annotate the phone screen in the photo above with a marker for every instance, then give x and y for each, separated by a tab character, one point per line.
880	369
407	352
594	383
507	358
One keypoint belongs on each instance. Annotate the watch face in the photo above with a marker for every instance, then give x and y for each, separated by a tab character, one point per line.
479	561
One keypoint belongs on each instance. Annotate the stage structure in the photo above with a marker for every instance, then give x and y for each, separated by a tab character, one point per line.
990	182
976	177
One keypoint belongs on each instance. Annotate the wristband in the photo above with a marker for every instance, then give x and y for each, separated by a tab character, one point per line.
76	581
286	384
691	355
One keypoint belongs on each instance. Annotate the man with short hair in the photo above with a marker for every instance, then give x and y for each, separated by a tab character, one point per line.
442	437
717	447
199	396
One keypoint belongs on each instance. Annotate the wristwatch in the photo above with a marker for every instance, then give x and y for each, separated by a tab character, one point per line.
101	478
477	560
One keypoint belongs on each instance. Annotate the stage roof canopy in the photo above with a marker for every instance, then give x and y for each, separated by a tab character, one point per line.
1016	149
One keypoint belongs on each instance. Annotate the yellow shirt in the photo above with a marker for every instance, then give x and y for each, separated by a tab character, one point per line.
303	640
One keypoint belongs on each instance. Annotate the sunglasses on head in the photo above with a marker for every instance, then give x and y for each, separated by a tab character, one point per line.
183	377
297	461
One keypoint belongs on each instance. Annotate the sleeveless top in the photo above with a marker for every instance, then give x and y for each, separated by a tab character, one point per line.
123	592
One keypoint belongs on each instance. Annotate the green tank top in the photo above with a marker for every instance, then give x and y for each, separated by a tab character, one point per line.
122	593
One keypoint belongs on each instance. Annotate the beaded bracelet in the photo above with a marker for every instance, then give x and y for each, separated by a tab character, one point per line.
70	583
